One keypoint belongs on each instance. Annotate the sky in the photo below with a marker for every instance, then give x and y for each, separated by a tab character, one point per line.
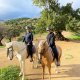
10	9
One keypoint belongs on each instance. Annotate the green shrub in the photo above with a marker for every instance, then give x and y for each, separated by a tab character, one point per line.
20	38
74	36
2	46
10	73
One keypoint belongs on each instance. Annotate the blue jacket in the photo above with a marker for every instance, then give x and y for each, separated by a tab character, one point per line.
51	39
28	38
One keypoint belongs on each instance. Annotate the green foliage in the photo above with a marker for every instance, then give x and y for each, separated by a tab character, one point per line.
74	36
59	17
73	25
20	38
39	2
2	46
10	73
3	30
40	26
17	26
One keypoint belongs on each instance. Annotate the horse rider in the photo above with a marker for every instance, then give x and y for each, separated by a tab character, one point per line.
51	42
28	39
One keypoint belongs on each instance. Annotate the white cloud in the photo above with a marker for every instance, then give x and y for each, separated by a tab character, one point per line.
18	8
64	2
75	3
25	8
6	7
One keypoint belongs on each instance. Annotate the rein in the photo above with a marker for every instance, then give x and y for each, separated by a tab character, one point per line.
11	47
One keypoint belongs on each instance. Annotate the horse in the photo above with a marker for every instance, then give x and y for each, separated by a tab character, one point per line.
18	49
47	56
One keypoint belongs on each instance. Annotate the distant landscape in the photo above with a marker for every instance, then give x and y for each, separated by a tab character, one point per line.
60	18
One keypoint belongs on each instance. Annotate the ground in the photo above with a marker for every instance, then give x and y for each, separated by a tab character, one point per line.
69	69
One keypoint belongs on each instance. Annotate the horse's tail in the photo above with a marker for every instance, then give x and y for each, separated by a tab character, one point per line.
59	52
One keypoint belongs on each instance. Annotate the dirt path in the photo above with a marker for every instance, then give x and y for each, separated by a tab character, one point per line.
70	64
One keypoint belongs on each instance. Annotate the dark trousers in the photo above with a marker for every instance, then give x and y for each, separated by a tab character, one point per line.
29	50
55	52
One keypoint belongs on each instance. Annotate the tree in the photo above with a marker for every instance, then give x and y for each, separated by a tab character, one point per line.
73	25
52	16
13	31
59	17
3	30
17	26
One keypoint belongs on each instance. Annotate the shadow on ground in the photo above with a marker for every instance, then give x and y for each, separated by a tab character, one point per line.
69	70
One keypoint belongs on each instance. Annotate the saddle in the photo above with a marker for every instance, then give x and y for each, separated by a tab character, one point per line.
33	49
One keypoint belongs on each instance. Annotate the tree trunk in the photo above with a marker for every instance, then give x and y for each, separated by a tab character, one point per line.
59	36
1	37
1	43
10	39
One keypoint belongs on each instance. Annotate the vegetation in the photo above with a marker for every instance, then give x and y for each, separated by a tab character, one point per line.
2	46
69	35
59	17
53	15
3	30
17	26
74	36
10	73
13	28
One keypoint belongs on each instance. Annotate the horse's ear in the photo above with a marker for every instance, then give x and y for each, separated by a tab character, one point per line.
5	43
44	42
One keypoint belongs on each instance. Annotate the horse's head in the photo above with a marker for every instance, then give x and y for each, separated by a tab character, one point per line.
9	47
41	47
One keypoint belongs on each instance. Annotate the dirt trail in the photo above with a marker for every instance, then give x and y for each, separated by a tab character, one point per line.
70	63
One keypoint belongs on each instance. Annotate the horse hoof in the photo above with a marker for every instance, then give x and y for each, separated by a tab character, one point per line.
35	67
57	72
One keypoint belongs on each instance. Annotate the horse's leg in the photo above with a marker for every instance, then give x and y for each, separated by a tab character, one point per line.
20	62
59	60
23	71
57	67
43	67
35	62
20	74
49	69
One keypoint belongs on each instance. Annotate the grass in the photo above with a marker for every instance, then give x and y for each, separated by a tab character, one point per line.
39	36
71	36
10	73
2	46
74	36
42	36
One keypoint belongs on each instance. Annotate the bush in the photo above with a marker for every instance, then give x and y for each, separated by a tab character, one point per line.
10	73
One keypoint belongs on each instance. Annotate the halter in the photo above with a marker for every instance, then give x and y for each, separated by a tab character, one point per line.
11	47
8	51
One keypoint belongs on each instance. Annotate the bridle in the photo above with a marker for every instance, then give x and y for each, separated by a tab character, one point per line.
10	49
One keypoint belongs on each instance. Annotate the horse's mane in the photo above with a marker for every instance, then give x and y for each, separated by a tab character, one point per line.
18	43
47	50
